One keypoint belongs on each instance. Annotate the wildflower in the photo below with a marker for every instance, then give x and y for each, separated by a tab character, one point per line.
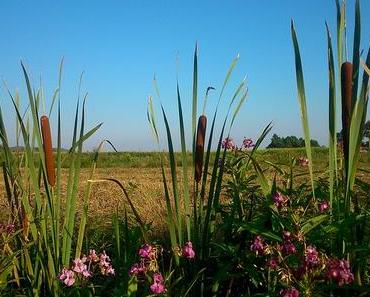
79	266
247	143
339	271
286	235
324	206
7	228
137	269
188	251
228	143
147	251
303	161
258	245
279	200
288	247
93	257
67	277
105	265
158	287
311	257
220	162
199	149
290	292
273	263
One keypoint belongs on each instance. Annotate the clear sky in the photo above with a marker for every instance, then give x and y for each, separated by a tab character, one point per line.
121	44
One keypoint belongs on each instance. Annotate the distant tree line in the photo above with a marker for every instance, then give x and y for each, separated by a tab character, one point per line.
289	141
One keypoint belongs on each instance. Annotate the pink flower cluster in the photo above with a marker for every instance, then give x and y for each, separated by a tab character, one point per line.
258	246
311	259
290	292
247	143
188	250
148	262
339	271
280	200
228	143
303	161
324	206
83	267
288	247
158	286
7	228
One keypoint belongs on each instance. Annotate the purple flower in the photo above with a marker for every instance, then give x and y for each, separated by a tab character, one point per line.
8	228
188	251
290	292
258	245
339	271
288	247
247	143
311	257
279	200
228	143
324	206
146	251
137	269
67	277
158	287
273	263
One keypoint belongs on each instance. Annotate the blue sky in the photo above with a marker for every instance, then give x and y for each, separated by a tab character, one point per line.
121	44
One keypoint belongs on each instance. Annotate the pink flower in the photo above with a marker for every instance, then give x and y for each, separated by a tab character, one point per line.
303	161
311	257
279	200
158	287
67	277
146	251
291	292
228	143
339	271
93	257
188	251
288	248
258	245
105	265
273	263
324	206
247	143
137	269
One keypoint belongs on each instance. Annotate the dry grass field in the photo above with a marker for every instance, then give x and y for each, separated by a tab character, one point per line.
145	188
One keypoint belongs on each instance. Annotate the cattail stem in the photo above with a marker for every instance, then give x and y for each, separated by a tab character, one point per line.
346	82
199	148
48	150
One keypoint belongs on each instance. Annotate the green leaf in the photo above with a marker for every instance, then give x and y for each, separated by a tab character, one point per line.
312	223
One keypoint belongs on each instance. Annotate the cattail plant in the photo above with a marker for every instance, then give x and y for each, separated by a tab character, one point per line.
346	83
199	149
200	139
48	150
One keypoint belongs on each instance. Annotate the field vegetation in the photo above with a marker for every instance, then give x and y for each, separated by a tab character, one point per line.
215	219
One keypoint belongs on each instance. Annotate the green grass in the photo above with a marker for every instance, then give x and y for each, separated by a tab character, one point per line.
151	159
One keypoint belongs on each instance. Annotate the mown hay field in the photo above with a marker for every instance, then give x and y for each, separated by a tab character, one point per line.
140	174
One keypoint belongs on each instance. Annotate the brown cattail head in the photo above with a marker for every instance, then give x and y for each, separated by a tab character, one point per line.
346	82
48	150
199	148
